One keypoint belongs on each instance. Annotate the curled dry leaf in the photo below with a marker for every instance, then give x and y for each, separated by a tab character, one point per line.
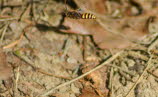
96	79
76	27
5	70
102	37
111	32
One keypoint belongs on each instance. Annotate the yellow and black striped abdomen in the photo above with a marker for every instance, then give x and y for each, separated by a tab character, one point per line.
88	16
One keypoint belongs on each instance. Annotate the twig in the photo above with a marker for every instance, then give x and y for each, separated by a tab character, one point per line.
137	55
85	74
155	42
17	77
15	42
16	82
26	8
3	33
152	73
111	82
141	76
8	19
126	71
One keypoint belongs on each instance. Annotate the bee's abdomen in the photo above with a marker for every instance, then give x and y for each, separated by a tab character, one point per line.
88	16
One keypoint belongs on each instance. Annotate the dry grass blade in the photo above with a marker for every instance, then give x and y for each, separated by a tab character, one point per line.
8	19
153	44
17	77
111	82
3	33
25	10
15	42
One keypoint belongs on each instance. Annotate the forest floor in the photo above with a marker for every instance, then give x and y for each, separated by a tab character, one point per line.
45	52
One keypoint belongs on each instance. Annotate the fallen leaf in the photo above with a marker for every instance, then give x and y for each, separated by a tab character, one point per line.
103	38
110	32
96	80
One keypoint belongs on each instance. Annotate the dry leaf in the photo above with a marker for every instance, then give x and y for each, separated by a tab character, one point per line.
111	32
96	79
103	38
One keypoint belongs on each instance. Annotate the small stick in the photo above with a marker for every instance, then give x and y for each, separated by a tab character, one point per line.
15	42
126	71
7	19
152	73
111	82
4	31
26	9
20	38
17	76
155	42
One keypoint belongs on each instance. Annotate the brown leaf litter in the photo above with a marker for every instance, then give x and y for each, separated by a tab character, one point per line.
110	32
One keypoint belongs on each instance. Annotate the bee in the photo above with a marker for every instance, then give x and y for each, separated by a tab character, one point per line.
78	15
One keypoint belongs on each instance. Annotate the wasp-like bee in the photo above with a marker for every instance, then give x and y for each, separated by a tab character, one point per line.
78	15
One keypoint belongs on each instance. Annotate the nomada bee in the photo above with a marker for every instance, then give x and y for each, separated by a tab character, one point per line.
78	15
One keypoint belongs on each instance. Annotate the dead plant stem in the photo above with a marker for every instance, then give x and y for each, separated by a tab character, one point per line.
3	33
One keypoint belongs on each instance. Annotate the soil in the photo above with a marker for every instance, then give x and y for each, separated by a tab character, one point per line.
40	57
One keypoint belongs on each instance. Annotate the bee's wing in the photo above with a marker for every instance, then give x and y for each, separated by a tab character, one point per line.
80	10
